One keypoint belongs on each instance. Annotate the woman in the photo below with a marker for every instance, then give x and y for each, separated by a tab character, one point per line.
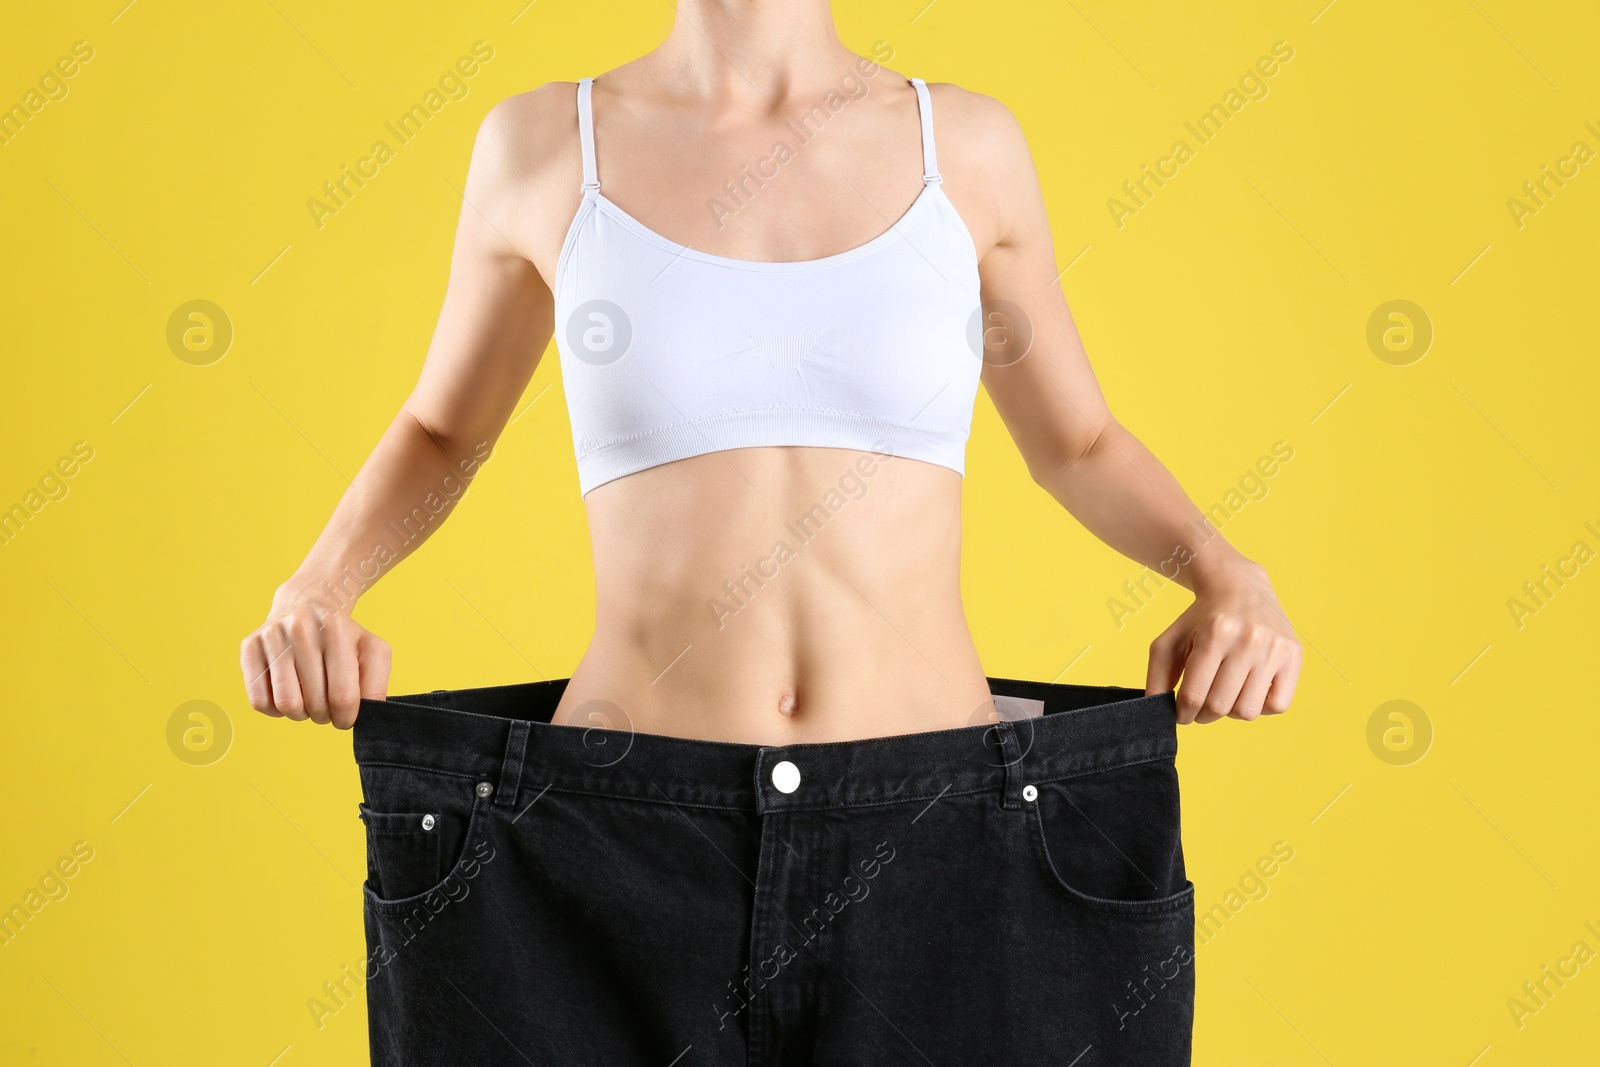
800	824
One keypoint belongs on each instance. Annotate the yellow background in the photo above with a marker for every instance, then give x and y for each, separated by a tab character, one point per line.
1229	313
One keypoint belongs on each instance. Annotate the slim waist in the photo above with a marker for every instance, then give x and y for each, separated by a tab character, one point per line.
503	734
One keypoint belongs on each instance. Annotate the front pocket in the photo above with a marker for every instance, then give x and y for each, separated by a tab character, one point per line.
403	850
1111	841
422	827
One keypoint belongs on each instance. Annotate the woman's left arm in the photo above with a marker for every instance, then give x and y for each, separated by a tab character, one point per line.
1234	648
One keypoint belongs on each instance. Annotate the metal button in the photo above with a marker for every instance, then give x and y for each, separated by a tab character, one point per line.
484	789
1030	793
427	822
785	777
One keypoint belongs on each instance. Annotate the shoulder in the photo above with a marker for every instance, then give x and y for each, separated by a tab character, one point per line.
988	169
977	134
526	170
525	134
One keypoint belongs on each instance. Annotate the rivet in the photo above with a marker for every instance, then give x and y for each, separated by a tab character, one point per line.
484	789
427	822
1030	793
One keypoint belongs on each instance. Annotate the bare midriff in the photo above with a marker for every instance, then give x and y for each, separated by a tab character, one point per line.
778	595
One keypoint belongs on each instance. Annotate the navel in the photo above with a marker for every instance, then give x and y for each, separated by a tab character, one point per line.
787	704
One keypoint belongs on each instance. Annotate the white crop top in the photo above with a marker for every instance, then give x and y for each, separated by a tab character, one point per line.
668	352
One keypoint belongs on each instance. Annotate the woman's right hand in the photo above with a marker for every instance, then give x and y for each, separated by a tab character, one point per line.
310	661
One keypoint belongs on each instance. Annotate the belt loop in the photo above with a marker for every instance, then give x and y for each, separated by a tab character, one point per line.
505	793
1010	764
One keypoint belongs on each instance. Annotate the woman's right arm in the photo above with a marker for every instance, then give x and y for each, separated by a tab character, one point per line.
310	659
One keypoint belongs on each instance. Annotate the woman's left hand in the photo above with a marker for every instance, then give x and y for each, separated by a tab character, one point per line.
1234	647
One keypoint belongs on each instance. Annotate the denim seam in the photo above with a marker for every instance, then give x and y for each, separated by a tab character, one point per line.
420	767
1100	770
711	806
739	807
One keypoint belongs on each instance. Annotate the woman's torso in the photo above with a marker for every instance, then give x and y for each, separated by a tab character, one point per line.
766	595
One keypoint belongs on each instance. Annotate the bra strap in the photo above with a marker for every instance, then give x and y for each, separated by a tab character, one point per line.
586	134
930	158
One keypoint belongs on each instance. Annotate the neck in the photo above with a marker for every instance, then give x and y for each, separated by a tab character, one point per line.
752	50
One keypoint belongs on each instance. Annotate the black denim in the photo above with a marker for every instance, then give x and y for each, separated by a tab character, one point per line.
1007	893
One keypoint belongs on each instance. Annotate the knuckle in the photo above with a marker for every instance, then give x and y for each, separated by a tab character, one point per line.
344	697
1224	625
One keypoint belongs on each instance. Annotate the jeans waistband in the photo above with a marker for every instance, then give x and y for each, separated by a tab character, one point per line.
503	735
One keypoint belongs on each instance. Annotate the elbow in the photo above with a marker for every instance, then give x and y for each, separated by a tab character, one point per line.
1059	463
443	442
